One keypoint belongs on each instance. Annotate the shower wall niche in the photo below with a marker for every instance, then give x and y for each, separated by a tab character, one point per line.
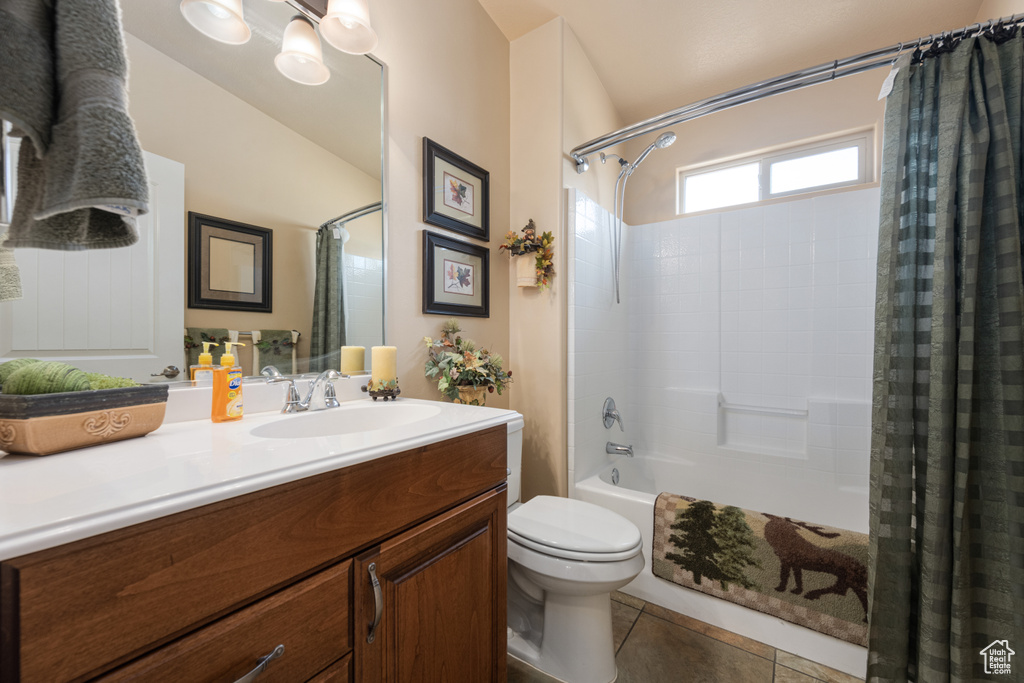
745	336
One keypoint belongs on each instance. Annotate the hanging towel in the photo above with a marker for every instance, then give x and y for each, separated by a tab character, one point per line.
10	278
81	177
274	347
194	338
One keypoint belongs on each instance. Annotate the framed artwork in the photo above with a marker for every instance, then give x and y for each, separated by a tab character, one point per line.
456	192
229	264
456	277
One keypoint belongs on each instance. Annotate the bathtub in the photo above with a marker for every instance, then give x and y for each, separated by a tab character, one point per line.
641	479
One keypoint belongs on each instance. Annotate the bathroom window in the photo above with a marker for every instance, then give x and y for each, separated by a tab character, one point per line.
821	165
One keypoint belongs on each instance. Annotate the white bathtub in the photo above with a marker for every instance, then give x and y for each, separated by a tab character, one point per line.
641	479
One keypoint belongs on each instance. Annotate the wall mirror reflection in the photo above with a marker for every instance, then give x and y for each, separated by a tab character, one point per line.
226	134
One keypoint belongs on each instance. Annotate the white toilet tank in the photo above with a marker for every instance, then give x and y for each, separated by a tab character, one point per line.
515	459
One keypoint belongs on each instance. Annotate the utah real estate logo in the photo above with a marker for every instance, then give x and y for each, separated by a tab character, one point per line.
997	657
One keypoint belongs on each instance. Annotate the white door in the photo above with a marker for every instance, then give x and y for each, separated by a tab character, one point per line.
118	311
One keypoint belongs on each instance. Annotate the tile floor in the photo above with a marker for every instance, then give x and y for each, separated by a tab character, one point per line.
656	645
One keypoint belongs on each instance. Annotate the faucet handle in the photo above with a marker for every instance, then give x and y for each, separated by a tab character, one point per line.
610	414
330	397
272	374
292	404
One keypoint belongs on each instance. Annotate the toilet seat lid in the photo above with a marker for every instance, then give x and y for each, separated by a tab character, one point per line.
574	525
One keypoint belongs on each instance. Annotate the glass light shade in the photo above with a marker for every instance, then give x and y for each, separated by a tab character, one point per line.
218	19
300	58
346	26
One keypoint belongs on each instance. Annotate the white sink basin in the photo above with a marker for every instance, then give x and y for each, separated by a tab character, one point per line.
346	420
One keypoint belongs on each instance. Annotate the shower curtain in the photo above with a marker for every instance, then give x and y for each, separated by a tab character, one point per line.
947	451
328	303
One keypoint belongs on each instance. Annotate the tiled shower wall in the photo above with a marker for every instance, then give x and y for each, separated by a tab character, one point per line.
599	358
364	290
749	338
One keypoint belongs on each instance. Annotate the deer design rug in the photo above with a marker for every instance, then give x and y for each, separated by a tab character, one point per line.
812	575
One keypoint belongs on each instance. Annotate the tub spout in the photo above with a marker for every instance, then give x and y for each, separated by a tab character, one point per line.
612	448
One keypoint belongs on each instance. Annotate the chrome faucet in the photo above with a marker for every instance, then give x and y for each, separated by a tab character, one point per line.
293	404
612	448
610	414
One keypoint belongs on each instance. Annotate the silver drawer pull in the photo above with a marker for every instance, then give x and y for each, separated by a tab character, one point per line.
378	601
262	665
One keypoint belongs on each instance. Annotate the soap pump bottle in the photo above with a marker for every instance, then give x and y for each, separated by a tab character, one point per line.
202	374
227	387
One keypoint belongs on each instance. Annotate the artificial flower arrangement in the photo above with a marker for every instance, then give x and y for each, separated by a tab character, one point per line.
530	243
463	371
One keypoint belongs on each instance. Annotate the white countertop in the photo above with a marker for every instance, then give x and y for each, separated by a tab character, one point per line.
51	500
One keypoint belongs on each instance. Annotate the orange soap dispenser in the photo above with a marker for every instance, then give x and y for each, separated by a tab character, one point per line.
227	387
202	374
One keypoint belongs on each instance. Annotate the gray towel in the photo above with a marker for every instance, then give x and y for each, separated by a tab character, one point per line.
10	278
82	189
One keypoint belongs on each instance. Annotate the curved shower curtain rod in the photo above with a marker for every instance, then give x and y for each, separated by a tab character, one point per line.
814	75
353	214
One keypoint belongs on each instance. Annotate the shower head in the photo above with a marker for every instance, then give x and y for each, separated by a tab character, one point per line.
664	140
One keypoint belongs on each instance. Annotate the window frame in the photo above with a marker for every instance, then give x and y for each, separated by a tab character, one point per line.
862	139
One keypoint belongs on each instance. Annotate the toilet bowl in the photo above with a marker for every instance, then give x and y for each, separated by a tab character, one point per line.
565	557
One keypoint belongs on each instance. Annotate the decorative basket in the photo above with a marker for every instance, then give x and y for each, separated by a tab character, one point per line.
526	270
44	424
473	396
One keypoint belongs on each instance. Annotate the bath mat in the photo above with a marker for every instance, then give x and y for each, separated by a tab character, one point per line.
812	575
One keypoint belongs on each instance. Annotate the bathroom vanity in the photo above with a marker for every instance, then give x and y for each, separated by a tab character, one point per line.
371	555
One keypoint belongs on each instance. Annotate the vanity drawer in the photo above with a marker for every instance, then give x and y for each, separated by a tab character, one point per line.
82	609
310	619
339	672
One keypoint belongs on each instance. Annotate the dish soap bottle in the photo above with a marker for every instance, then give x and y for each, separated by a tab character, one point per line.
227	387
202	374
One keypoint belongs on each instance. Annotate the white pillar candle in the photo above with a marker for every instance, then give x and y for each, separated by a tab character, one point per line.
383	367
353	360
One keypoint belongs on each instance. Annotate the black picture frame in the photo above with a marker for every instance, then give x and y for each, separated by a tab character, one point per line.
456	192
220	273
448	289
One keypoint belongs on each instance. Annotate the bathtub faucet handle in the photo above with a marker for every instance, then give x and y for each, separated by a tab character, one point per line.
610	414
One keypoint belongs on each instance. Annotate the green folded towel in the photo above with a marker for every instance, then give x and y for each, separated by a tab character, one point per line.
194	338
275	347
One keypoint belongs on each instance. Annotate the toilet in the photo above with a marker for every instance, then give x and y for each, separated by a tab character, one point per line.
565	557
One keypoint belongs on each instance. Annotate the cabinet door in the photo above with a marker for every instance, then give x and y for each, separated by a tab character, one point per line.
441	599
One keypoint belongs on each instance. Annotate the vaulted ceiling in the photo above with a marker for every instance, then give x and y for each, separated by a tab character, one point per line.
656	55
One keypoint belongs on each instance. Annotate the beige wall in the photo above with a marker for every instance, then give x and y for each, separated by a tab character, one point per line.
537	319
841	105
242	165
846	104
994	9
448	71
557	102
588	113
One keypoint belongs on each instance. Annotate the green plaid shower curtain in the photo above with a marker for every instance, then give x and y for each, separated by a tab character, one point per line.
947	451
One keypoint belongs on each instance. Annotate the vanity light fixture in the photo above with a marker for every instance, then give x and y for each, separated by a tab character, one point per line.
301	58
346	26
219	19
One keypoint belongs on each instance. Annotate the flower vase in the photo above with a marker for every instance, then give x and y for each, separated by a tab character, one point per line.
472	396
526	270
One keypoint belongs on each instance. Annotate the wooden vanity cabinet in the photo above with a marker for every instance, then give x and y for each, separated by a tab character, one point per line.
203	594
424	609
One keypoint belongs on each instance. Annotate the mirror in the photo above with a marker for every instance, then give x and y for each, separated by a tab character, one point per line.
257	149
